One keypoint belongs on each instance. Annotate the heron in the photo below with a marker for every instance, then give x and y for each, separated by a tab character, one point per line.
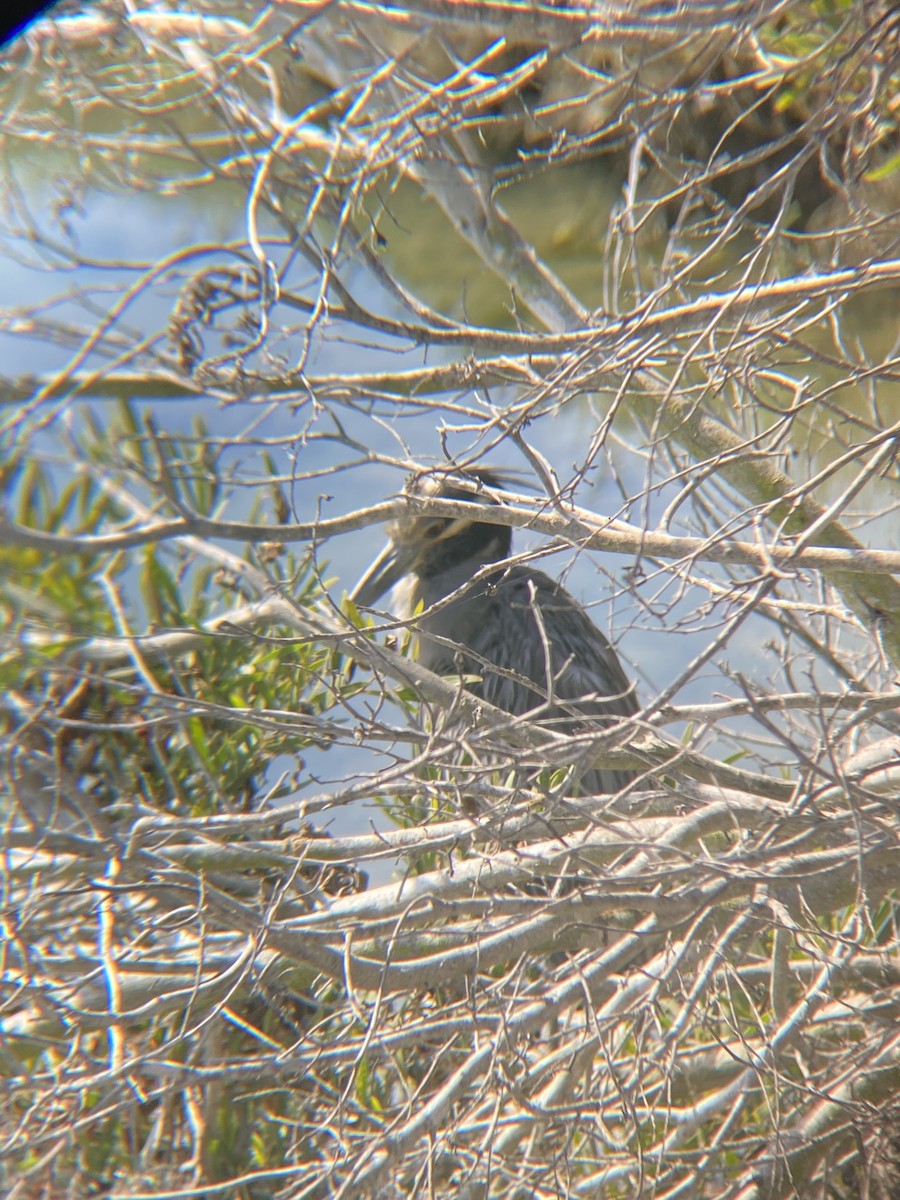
513	635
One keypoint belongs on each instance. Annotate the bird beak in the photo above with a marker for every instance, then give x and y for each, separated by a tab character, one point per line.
388	568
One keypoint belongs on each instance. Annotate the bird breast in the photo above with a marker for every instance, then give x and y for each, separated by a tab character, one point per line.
527	625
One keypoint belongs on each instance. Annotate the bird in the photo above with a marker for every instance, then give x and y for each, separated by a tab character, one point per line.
513	635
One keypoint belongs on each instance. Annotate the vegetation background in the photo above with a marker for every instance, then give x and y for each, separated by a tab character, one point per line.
264	934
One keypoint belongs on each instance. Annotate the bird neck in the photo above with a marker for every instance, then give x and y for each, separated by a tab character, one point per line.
452	562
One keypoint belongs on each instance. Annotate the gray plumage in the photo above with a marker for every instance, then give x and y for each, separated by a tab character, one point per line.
531	646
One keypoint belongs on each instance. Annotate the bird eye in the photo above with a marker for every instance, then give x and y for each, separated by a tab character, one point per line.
433	529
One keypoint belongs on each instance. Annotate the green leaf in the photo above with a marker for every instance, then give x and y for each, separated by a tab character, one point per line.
884	170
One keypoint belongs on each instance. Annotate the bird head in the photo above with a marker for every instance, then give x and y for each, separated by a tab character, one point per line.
425	545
